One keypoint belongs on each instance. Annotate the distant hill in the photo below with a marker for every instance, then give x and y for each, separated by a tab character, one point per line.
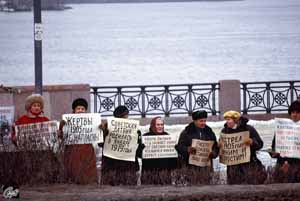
128	1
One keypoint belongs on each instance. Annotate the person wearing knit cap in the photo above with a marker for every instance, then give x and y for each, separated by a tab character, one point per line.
252	172
79	159
121	112
287	169
157	170
79	105
120	172
200	131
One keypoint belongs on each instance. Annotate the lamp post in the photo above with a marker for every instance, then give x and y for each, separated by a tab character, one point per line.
38	31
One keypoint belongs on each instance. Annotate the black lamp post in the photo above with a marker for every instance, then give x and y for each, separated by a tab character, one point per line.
38	32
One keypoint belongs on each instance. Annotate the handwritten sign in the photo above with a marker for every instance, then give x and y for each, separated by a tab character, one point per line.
287	138
82	128
37	136
203	148
234	150
160	146
121	142
6	120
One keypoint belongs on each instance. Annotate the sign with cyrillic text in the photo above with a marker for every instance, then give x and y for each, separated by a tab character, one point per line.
122	140
82	128
6	120
37	136
234	150
287	138
160	146
203	148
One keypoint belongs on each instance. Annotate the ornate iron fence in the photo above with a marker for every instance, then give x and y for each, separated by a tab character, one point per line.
157	99
268	97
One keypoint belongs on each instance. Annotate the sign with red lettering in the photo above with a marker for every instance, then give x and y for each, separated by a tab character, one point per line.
234	150
287	138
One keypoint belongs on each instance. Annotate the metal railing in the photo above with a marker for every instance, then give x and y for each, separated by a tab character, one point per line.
149	100
268	97
183	99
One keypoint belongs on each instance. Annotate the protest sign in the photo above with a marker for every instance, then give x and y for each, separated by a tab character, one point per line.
122	141
234	150
37	136
82	128
6	120
287	138
160	146
203	148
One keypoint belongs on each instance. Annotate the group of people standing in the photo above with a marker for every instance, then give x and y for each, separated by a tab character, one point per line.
79	161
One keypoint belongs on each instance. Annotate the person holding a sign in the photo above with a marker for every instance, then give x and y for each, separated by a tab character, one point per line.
79	159
288	168
157	166
122	146
241	168
190	144
37	162
34	105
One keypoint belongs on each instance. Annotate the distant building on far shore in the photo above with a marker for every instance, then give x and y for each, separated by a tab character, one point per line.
26	5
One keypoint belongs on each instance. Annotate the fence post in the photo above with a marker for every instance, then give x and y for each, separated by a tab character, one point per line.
190	109
167	112
268	87
119	92
95	100
245	108
143	94
229	96
213	88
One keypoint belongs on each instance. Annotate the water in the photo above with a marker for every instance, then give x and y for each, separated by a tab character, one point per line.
156	43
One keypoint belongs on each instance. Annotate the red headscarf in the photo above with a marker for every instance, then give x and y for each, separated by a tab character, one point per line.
153	125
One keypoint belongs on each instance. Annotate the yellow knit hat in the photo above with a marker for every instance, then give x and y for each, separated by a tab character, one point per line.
232	114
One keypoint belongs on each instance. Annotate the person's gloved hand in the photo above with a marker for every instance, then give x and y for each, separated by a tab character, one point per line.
248	141
274	154
192	150
62	123
220	144
285	167
211	155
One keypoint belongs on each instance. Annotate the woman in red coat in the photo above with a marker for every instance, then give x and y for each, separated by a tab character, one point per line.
34	106
34	166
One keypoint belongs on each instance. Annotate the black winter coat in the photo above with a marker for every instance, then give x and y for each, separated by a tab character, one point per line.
192	132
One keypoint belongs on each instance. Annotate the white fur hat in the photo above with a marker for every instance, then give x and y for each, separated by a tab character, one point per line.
34	98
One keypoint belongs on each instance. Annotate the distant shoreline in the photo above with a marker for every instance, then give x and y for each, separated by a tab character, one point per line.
137	1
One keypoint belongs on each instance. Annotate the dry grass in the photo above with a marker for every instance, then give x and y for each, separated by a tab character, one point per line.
46	167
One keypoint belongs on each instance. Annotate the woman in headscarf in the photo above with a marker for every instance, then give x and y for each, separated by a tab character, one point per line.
157	170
